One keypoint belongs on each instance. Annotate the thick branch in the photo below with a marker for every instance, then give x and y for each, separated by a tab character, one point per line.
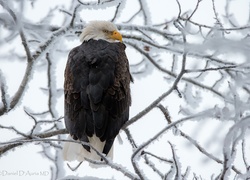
10	145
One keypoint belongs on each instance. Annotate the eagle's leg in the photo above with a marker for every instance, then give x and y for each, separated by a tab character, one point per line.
108	145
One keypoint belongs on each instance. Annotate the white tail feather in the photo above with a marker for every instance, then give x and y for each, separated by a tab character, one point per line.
75	151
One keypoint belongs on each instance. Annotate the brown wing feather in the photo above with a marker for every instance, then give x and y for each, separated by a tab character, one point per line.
97	91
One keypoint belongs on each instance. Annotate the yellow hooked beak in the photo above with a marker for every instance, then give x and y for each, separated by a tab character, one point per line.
116	36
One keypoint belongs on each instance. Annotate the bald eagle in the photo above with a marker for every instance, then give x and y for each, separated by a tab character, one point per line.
97	91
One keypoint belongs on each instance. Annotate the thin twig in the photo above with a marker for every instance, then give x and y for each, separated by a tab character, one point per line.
165	112
144	12
49	74
244	157
157	157
210	69
179	8
211	27
116	12
152	165
74	15
176	162
195	9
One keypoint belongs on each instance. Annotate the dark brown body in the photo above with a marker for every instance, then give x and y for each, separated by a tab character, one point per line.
97	91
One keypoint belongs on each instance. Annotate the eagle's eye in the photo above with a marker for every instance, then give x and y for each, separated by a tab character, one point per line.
105	31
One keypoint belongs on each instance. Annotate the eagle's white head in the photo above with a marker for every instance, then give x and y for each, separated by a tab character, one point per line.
101	30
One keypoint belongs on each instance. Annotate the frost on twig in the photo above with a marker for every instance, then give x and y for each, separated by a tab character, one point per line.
5	96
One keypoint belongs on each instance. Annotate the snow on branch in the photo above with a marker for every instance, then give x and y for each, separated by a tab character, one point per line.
5	96
234	135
